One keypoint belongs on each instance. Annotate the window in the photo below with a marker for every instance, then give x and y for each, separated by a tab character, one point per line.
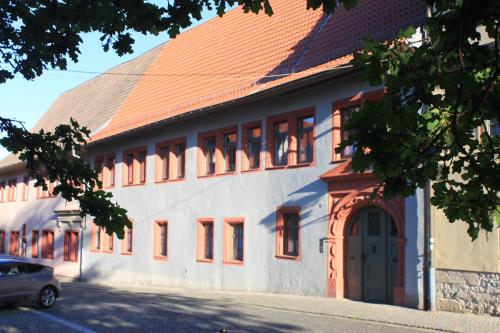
233	240
71	245
127	242
160	240
142	167
305	139
205	243
342	113
14	243
280	156
210	155
26	188
170	160
2	191
217	152
109	171
34	243
95	238
230	140
12	190
107	246
46	193
252	146
135	166
2	241
290	139
48	244
288	232
99	168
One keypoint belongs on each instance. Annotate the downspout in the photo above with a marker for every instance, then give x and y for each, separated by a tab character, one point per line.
430	270
80	279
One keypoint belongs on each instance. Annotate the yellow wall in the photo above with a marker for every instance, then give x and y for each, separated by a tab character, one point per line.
454	250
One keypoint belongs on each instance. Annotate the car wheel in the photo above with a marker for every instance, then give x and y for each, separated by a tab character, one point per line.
47	297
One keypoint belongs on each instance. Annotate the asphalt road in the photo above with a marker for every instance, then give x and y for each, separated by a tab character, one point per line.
97	310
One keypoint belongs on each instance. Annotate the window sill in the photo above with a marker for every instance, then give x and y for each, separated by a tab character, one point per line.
126	253
290	166
251	170
207	261
107	251
95	250
234	262
166	181
339	160
132	185
160	258
67	260
109	187
293	258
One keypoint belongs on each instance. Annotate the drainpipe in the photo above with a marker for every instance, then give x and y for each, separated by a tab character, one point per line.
81	248
430	270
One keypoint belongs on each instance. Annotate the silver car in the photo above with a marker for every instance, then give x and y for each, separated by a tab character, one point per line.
22	280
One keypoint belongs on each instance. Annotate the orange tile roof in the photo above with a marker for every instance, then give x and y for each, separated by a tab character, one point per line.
242	54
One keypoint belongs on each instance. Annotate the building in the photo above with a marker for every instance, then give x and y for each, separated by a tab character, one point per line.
222	151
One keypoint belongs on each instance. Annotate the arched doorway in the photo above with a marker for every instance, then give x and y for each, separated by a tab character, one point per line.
371	256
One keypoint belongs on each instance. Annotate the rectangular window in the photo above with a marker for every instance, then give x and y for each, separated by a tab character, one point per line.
14	243
233	240
230	141
180	154
12	190
34	244
305	139
170	160
210	155
217	151
290	139
135	166
205	243
342	114
48	244
2	241
127	242
95	237
165	162
142	166
109	174
288	232
254	147
71	245
26	188
99	168
160	240
2	191
130	168
280	144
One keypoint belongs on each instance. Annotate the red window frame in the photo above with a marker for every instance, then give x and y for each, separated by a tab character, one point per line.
26	188
204	246
337	111
34	243
280	232
14	243
127	243
48	238
135	170
109	170
95	237
220	160
160	239
12	190
229	240
2	191
290	118
71	245
2	241
246	153
171	167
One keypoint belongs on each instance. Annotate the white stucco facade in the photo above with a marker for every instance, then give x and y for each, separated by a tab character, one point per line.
253	196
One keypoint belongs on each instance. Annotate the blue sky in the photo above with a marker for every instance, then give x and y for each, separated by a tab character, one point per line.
27	101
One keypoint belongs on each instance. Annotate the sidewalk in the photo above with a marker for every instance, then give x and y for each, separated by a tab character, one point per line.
439	321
